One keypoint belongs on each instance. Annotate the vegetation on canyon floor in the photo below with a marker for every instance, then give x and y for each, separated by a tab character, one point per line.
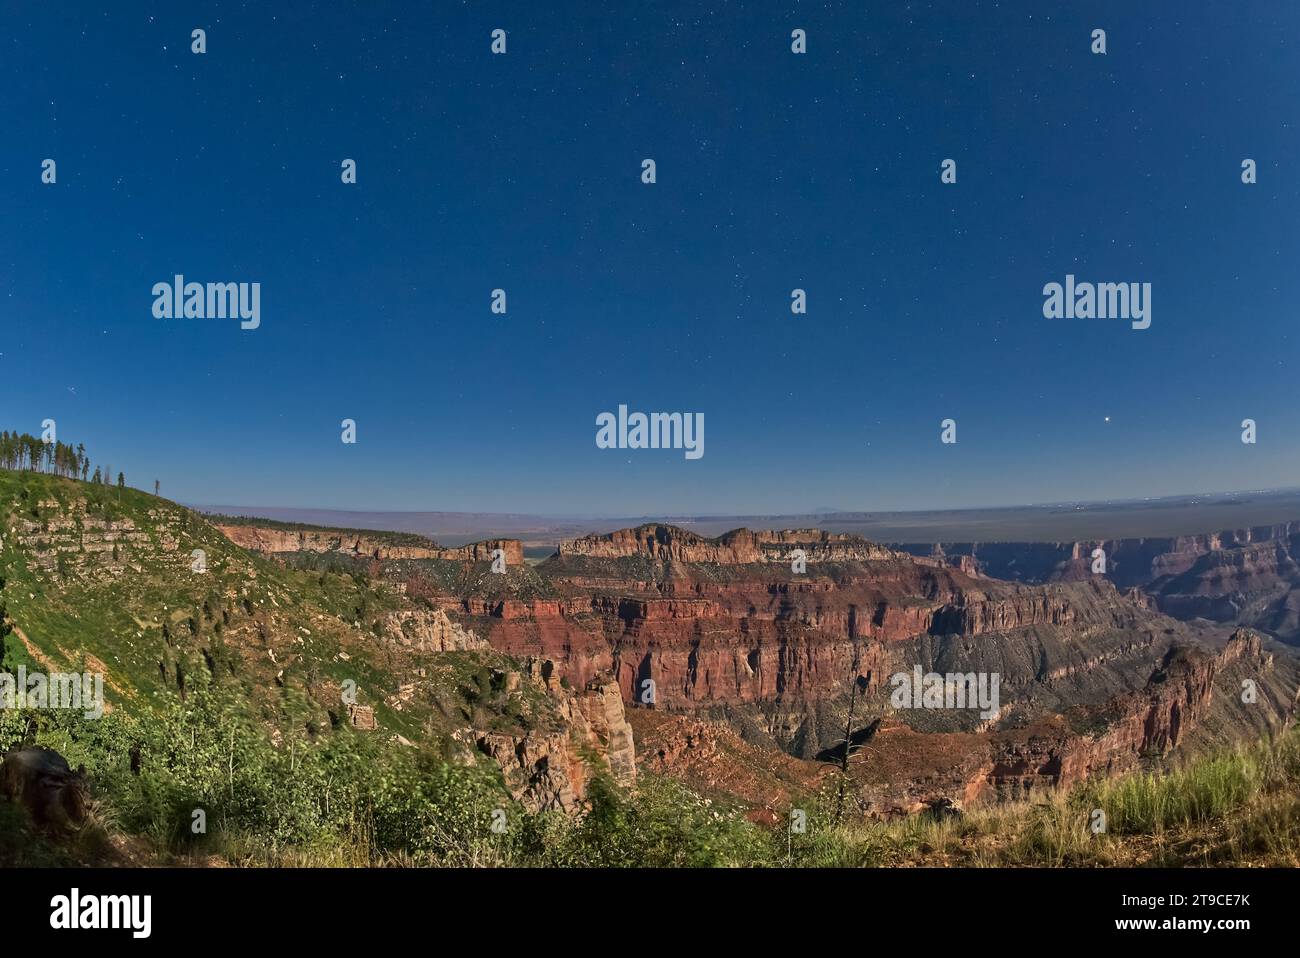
350	801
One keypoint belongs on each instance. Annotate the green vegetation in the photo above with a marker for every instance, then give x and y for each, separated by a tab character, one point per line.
25	451
194	633
110	575
426	577
347	799
350	799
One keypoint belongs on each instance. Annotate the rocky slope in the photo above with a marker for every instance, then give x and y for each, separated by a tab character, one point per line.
726	633
1192	699
549	770
157	599
1245	577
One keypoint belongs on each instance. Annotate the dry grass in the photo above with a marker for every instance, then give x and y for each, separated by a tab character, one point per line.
1240	807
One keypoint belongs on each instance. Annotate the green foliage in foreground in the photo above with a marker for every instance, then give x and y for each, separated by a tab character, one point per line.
351	799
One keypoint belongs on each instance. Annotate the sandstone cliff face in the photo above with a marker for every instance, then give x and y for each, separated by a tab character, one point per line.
512	550
1192	699
607	729
1245	577
359	545
1130	562
1154	720
1256	584
547	770
539	769
270	539
705	644
738	547
429	631
743	646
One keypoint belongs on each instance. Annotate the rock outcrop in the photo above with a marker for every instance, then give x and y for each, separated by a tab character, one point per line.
1247	577
547	770
429	631
540	769
359	544
272	539
1151	721
738	547
760	638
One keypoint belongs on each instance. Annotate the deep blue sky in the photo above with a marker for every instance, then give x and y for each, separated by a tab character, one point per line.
775	171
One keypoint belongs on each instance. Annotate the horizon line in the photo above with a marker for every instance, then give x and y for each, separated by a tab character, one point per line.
216	508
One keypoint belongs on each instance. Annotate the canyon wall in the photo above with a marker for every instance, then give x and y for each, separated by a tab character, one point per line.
738	547
1245	577
1130	562
694	634
549	769
359	544
708	644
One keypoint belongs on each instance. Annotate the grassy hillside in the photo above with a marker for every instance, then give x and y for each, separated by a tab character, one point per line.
225	678
107	577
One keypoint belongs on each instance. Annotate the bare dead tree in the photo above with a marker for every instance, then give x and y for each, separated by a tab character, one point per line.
847	744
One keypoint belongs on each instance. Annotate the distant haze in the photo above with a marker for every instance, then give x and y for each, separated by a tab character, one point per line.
1183	515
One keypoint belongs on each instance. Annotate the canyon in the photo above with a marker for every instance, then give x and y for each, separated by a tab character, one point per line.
1248	576
746	676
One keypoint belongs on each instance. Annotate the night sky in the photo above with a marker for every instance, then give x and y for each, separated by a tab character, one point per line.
775	171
